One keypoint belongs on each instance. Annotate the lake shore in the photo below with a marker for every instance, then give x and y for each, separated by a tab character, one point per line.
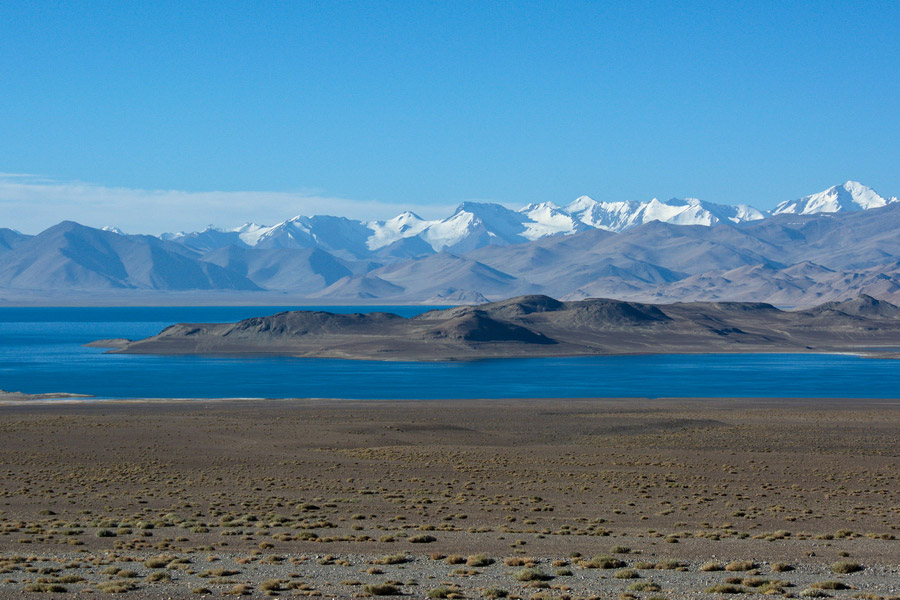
327	497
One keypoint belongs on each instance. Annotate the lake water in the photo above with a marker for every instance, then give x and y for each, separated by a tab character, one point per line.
41	350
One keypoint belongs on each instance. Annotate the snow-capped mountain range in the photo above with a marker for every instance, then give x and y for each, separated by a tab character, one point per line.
474	225
832	245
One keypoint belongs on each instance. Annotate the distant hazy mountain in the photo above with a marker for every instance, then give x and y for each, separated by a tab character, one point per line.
301	271
827	246
72	256
10	238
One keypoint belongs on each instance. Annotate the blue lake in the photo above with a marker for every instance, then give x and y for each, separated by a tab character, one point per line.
41	350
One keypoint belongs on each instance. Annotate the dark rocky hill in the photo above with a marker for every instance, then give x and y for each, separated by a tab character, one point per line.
542	326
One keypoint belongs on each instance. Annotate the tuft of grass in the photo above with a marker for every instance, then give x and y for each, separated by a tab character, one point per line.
740	565
392	559
46	588
844	568
444	592
519	561
711	566
643	586
241	589
830	585
421	539
271	585
455	559
814	593
479	560
116	587
494	593
603	562
626	574
201	590
530	574
381	589
620	550
780	567
158	562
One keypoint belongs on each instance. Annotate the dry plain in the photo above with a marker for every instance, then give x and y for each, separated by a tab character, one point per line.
610	498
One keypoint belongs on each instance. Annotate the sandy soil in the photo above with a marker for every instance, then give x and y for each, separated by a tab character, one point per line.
470	499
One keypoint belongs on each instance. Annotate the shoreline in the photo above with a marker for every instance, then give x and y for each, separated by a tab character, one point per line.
891	353
725	401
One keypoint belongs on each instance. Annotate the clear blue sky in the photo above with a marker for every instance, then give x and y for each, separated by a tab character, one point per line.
437	102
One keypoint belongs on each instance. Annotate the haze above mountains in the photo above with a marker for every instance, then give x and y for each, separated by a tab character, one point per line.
827	246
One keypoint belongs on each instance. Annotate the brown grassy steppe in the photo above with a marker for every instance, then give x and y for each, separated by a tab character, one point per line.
628	498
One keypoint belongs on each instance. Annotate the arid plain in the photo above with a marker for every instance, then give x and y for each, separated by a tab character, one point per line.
630	498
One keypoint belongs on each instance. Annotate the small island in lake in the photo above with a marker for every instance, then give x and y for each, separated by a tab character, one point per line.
540	326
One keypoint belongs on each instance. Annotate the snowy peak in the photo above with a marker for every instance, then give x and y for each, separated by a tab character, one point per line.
611	216
474	225
384	233
699	212
546	219
852	196
249	233
618	216
581	204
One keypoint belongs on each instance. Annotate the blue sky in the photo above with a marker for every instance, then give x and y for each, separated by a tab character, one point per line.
366	107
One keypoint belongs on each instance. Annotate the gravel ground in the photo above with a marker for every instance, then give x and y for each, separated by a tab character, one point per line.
628	498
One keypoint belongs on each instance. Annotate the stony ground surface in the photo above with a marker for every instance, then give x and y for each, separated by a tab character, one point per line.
629	498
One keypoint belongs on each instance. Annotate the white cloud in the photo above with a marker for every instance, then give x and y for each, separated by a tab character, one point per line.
30	204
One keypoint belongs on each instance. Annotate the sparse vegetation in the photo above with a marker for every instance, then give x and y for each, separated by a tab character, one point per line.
830	585
643	586
381	589
603	562
530	574
479	560
845	567
299	526
626	574
392	559
46	588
